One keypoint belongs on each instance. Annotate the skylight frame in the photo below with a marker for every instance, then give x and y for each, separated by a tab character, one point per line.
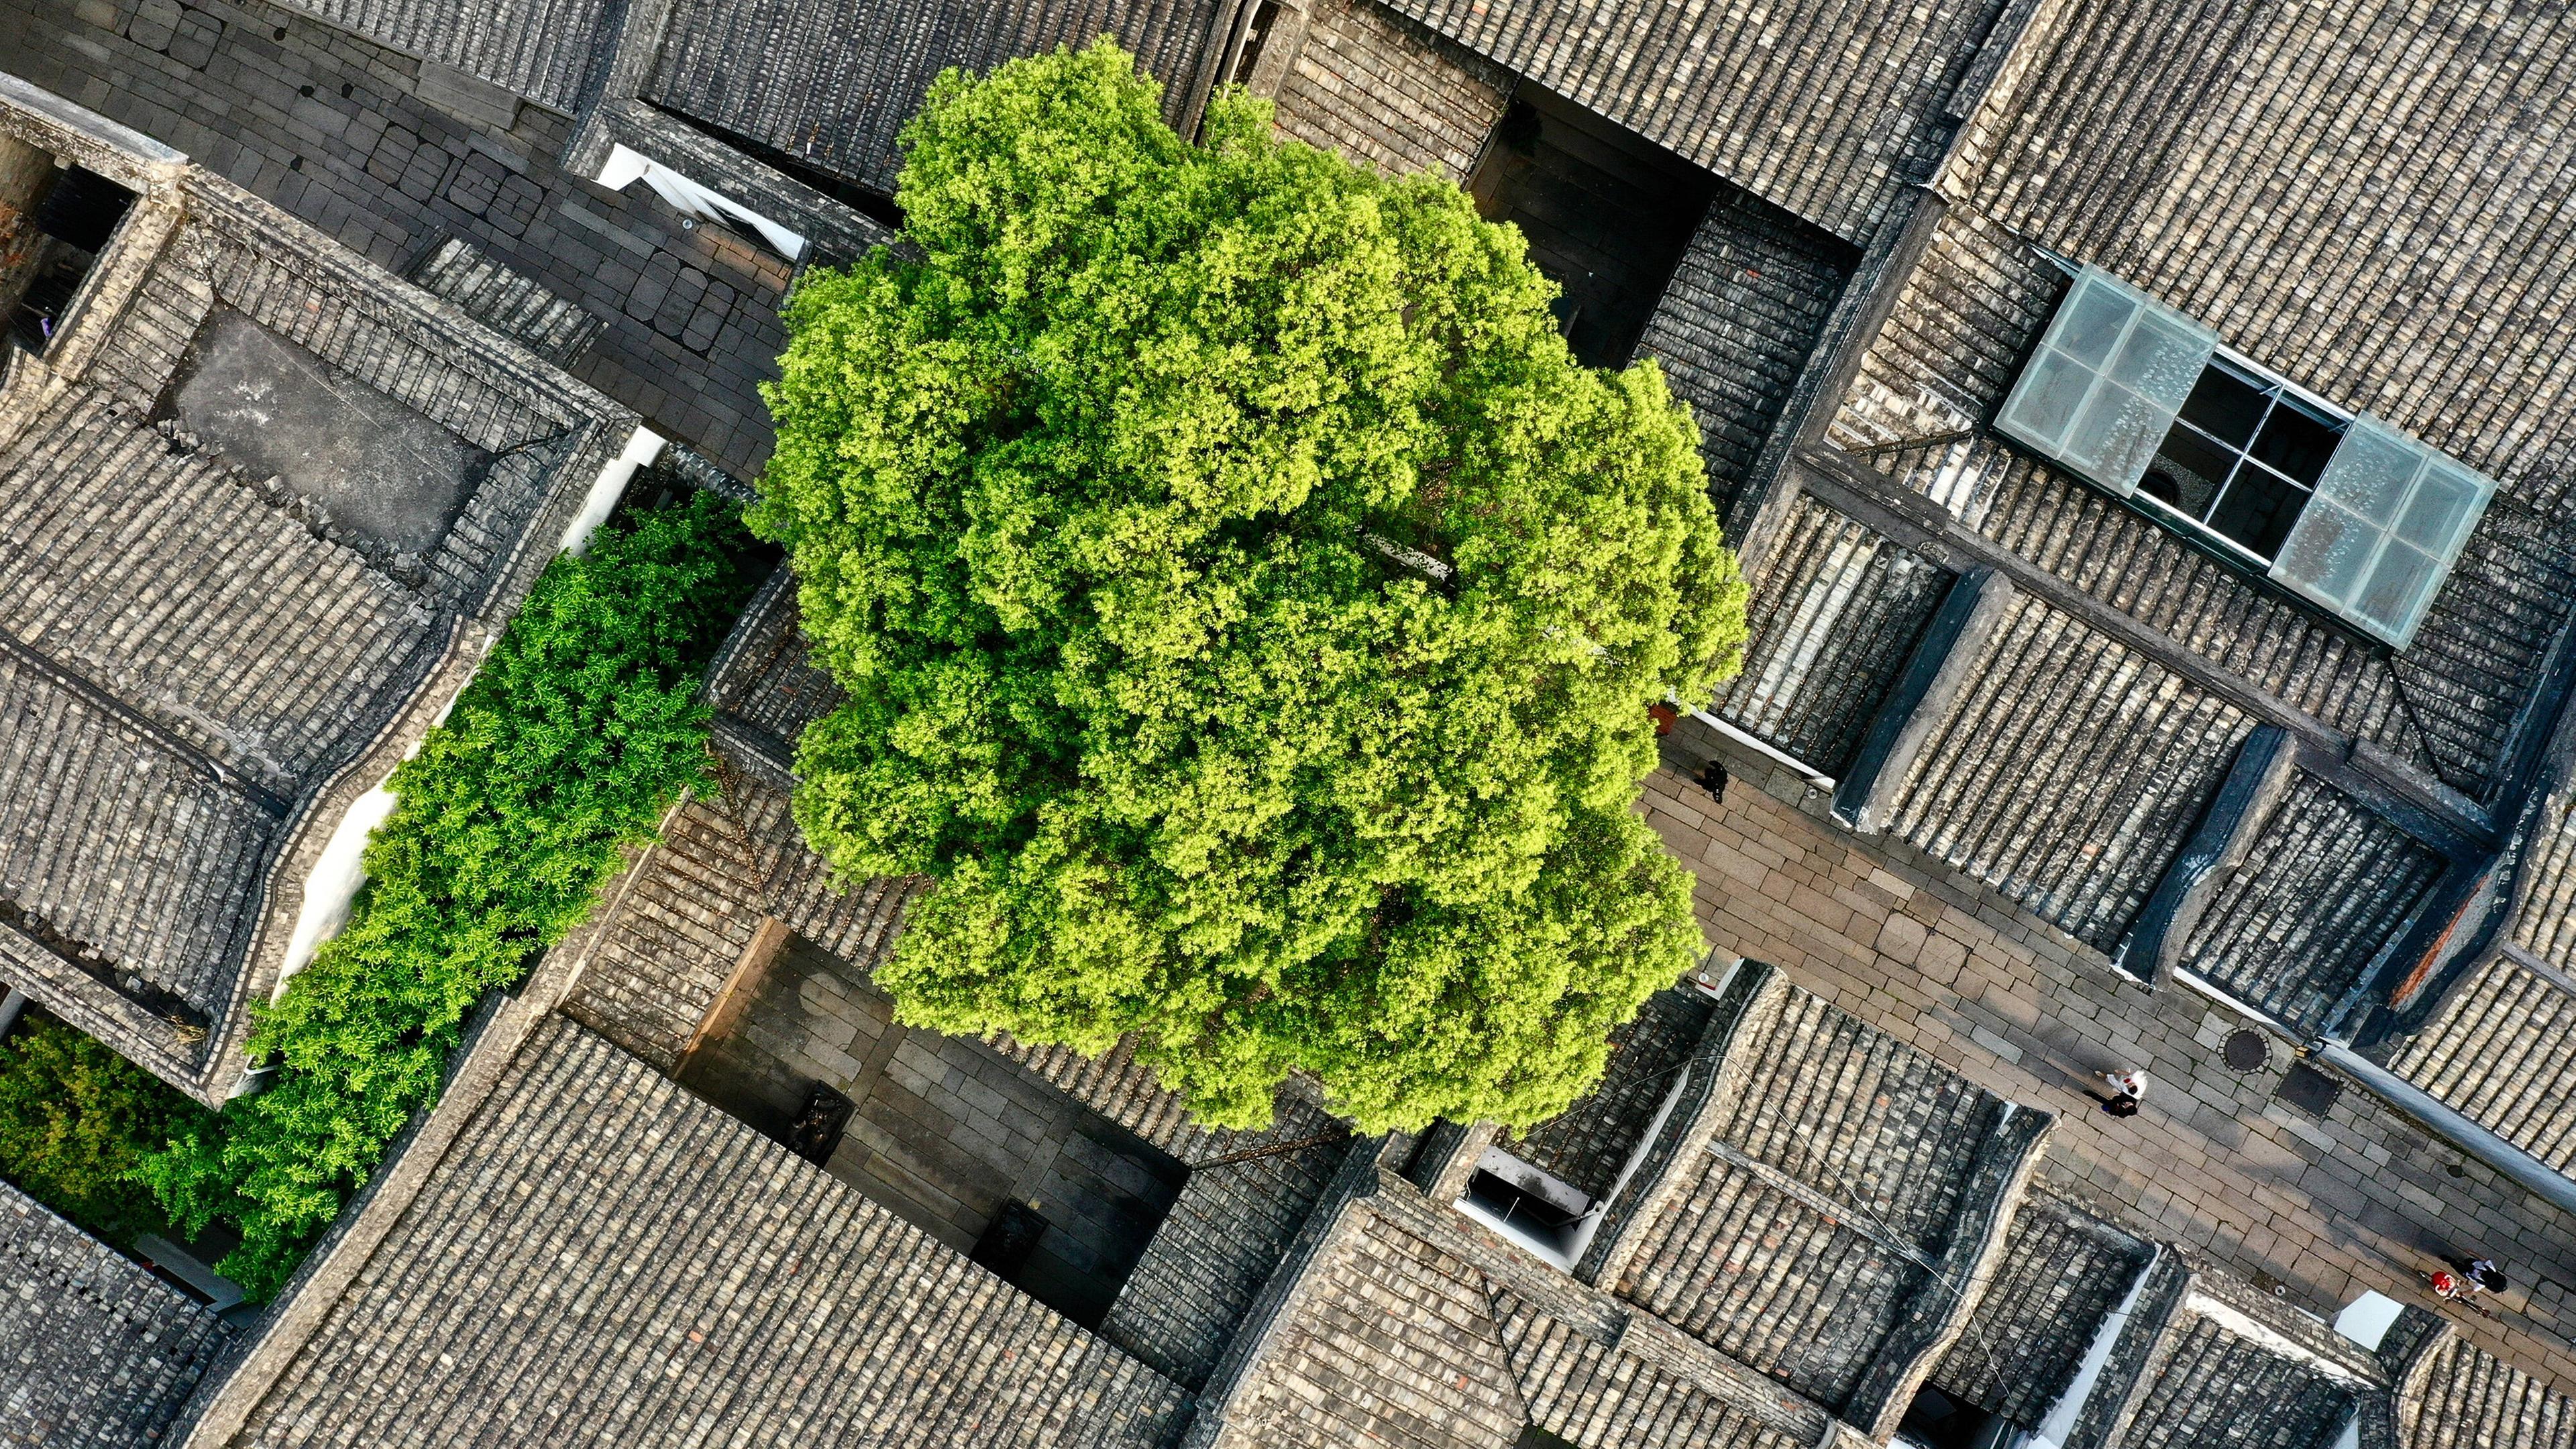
2354	593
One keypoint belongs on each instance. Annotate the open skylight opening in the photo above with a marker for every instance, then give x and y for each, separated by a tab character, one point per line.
2340	509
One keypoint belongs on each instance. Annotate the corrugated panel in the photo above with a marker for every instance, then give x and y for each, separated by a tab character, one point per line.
674	1278
2503	1052
1835	614
832	82
539	49
2062	1274
2069	773
2466	1399
1737	323
2360	193
1823	107
2324	886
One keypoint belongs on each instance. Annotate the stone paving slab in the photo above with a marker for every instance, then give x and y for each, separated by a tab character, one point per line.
2322	1208
349	136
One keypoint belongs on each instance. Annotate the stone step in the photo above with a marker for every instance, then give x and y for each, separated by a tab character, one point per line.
507	301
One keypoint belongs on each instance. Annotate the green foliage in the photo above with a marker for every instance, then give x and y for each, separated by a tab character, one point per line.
76	1119
572	740
1248	609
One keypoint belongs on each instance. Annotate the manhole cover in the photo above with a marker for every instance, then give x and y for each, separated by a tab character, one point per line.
2309	1090
2246	1050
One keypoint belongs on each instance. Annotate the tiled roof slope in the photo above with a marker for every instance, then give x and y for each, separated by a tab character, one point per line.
2460	1398
1403	1326
540	49
832	82
2325	885
200	666
1736	323
1820	108
2211	1388
1946	358
1836	612
164	577
1588	1144
2063	1273
95	1352
2395	240
1223	1238
2503	1051
507	301
646	1270
2500	1046
2070	772
2406	256
1375	86
1808	1228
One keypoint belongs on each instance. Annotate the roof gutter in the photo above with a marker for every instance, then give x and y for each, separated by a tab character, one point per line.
2536	1176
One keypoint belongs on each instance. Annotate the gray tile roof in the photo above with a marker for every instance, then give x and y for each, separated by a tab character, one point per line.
541	49
1223	1239
1375	86
1817	107
1404	1325
1808	1229
2460	1398
1588	1144
2063	1272
508	302
1743	310
198	660
2408	255
601	1258
2326	884
832	82
2503	1052
2070	772
95	1352
1835	614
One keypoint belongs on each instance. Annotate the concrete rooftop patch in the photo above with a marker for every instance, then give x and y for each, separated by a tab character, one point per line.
367	461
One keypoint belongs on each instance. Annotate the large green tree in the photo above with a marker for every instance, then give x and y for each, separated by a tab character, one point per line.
1247	607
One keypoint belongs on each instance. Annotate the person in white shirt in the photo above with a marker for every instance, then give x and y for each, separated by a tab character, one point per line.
2127	1085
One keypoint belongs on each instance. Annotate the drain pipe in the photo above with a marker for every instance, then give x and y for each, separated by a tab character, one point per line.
2542	1180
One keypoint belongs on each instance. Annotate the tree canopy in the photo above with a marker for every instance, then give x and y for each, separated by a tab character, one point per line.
1248	610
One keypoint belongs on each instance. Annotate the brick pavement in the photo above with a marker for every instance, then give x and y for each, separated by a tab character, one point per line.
2326	1208
337	130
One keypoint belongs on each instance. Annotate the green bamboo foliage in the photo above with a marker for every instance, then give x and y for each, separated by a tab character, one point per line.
575	736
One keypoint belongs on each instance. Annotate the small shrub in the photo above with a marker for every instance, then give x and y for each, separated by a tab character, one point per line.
75	1120
575	736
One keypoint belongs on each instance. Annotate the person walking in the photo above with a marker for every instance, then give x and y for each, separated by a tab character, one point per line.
2482	1274
2126	1085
